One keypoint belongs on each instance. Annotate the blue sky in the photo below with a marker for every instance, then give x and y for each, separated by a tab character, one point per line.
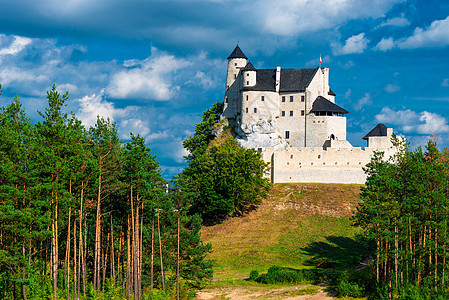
153	66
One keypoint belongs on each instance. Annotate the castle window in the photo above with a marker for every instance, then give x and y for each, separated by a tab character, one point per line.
235	64
247	83
291	98
302	114
287	134
283	98
291	156
247	110
247	74
262	98
291	113
259	149
226	99
255	109
235	76
319	156
246	97
302	98
283	113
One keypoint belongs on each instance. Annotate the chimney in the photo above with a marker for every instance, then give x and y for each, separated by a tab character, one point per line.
278	78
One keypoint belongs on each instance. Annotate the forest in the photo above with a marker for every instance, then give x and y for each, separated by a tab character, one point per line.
404	212
85	216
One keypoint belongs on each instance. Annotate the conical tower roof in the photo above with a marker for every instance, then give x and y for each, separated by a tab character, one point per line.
249	67
379	130
237	53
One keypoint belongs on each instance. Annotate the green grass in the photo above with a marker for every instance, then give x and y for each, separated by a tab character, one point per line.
313	239
295	227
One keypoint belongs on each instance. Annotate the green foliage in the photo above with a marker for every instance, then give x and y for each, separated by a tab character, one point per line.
64	187
278	274
405	213
348	289
254	275
199	141
221	178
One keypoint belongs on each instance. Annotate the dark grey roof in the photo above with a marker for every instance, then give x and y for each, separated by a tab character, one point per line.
237	53
249	67
322	104
292	80
379	130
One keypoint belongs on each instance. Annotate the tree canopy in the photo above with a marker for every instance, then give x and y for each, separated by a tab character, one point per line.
221	178
83	214
404	210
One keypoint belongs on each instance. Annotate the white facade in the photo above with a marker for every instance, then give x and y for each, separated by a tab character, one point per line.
297	107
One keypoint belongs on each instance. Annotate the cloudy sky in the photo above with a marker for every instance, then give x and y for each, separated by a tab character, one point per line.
153	66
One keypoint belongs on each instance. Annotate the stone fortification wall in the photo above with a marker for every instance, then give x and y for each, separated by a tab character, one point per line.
334	165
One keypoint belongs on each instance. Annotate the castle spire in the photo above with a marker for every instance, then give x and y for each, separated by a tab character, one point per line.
237	53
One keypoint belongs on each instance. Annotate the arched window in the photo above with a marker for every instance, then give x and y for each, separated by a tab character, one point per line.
332	137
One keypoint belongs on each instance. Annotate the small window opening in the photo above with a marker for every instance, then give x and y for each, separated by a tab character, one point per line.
283	113
287	134
302	98
291	98
283	98
255	109
291	113
302	114
262	98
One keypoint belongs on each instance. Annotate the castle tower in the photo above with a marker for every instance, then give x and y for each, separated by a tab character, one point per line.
236	61
249	75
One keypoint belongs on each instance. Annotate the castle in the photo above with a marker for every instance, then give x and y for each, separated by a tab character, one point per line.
290	116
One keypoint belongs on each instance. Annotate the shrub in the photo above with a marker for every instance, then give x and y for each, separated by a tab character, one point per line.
254	275
349	289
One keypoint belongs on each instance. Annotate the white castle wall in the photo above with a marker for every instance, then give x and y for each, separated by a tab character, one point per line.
320	129
334	165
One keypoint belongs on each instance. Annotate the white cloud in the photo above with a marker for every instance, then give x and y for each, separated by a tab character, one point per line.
445	82
392	88
204	80
157	136
17	45
95	105
354	44
398	22
436	35
134	126
147	79
348	94
291	17
385	44
412	122
365	100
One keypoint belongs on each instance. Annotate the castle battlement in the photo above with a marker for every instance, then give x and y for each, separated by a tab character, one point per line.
290	116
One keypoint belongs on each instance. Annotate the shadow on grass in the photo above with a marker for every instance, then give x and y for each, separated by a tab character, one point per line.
337	251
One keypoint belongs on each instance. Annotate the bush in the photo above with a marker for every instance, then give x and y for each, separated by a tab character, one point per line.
254	275
349	289
278	274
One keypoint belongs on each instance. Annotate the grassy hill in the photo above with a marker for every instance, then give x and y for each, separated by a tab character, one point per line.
298	226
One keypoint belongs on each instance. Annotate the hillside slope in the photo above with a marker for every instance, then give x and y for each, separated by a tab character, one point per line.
297	226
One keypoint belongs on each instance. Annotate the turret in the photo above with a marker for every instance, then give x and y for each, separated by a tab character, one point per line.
249	75
236	61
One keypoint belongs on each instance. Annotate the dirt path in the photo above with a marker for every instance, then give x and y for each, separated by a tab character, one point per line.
247	293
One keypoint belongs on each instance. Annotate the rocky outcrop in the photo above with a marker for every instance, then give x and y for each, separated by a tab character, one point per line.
260	135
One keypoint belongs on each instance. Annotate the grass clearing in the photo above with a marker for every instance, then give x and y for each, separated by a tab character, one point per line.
298	226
